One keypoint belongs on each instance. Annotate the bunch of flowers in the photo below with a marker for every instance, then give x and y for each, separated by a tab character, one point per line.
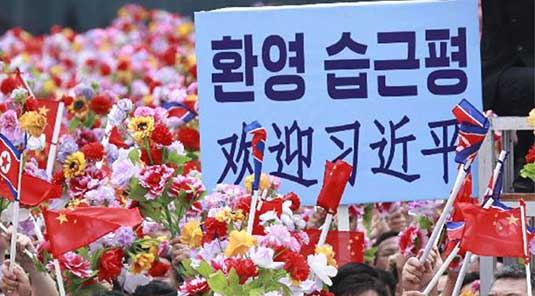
227	260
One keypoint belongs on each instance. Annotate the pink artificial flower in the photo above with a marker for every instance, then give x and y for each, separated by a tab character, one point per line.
154	178
194	286
75	264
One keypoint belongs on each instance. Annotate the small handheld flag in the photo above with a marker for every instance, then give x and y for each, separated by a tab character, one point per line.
473	126
258	144
10	161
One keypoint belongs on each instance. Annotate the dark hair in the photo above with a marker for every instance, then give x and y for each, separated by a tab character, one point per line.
514	272
384	237
155	288
356	284
355	278
470	278
388	279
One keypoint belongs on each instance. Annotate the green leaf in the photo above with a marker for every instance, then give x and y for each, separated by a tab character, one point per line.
134	156
89	120
528	171
188	271
205	269
176	158
74	123
218	282
137	192
233	278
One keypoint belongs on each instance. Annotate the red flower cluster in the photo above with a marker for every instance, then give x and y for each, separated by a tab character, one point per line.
189	137
193	287
101	104
245	268
295	264
8	85
110	264
154	178
214	229
93	151
159	269
161	135
192	165
296	203
411	241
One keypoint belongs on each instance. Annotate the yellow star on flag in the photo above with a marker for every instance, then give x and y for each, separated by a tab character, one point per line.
43	110
62	218
512	220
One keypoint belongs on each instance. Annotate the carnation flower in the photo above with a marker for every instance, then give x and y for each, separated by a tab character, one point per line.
124	237
193	287
189	137
239	243
263	257
74	165
67	147
161	135
245	268
93	151
9	127
411	241
154	178
191	234
33	122
122	171
101	104
110	264
278	235
142	262
192	186
75	264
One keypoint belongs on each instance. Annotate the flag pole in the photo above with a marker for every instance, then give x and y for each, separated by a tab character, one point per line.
486	205
441	270
15	220
433	240
54	141
252	212
325	229
49	169
525	244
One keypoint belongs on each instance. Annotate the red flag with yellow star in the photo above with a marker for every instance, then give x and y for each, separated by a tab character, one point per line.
70	229
492	232
348	246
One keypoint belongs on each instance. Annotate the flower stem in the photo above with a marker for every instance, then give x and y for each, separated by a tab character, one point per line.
169	221
146	146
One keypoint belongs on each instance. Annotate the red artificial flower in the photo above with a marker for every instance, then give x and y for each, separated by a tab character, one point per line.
169	56
193	287
110	264
123	65
191	186
245	268
75	264
159	269
8	85
296	265
101	104
115	139
192	165
86	137
154	178
530	157
105	69
67	100
296	203
93	151
244	204
189	137
214	229
155	154
411	241
321	293
31	104
161	135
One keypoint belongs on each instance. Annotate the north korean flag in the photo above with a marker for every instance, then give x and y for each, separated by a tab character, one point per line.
10	159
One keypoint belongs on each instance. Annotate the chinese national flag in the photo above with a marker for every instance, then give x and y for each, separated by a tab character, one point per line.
334	183
492	232
267	205
33	190
348	246
70	229
51	109
464	196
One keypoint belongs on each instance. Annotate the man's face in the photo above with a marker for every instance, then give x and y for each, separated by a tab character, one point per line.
509	287
386	249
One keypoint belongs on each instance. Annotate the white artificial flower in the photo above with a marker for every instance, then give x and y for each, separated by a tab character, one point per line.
299	289
269	217
263	257
320	268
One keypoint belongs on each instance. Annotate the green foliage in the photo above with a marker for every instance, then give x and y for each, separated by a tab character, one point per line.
528	171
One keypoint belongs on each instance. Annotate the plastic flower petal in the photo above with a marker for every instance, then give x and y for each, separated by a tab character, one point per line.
239	243
318	265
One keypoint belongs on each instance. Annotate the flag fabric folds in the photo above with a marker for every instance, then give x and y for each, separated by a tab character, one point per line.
10	162
258	144
334	183
70	229
473	126
348	246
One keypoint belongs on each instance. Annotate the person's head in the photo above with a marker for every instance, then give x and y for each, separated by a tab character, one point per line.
387	245
469	280
155	288
356	279
389	280
511	281
359	285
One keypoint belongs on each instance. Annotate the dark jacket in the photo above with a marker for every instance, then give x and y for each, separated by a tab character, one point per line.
508	34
